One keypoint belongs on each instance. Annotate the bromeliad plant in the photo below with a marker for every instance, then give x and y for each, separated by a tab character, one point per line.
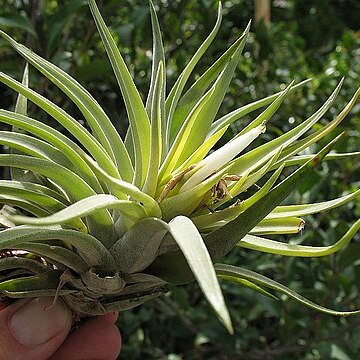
108	224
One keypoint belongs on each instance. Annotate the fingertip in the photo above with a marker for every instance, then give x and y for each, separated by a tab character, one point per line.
33	329
98	338
111	317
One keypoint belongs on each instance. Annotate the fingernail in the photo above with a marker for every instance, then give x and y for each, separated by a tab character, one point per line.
38	321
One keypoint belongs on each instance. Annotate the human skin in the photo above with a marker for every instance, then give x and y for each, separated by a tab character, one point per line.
40	330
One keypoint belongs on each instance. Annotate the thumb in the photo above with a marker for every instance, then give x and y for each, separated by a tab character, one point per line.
33	330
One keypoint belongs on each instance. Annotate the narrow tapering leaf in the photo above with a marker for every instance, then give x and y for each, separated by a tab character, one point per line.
176	91
77	130
229	270
197	90
99	122
192	245
157	135
308	209
237	114
208	112
259	155
280	248
85	207
67	147
138	118
154	94
100	224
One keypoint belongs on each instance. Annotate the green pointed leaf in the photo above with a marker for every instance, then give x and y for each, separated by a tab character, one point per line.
100	224
71	150
89	248
261	280
84	208
237	114
192	245
308	209
176	91
156	143
208	112
275	247
138	119
249	285
21	101
259	155
157	95
316	136
197	90
100	124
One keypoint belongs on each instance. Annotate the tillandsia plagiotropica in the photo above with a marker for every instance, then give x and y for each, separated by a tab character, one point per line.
108	223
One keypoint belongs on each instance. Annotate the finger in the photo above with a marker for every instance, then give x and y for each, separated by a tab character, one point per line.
33	330
111	317
97	339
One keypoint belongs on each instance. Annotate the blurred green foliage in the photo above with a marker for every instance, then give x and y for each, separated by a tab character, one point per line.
317	39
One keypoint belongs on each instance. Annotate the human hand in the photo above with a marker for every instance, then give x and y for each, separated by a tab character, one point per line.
35	330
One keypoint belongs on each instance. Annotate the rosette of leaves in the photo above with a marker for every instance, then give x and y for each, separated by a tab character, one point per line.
108	223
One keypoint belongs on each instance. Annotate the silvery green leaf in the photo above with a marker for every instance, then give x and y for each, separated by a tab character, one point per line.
254	158
193	247
85	207
89	248
138	248
229	270
176	91
308	209
45	284
100	124
275	247
73	126
138	118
